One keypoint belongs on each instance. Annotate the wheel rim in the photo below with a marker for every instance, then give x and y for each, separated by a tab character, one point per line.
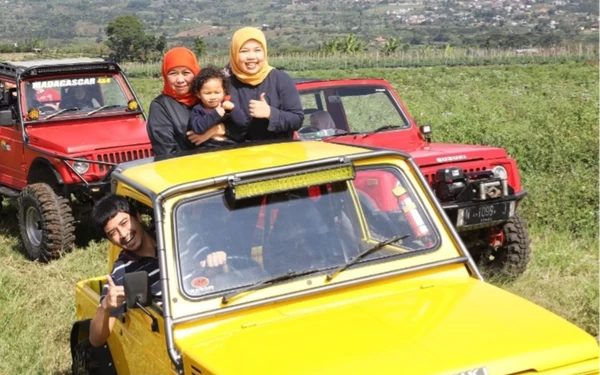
33	225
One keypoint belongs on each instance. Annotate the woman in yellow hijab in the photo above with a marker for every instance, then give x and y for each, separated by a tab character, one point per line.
268	97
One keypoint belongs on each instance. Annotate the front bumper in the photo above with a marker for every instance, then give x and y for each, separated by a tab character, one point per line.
479	214
94	190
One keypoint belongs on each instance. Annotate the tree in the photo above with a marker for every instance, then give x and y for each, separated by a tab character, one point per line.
161	44
200	46
391	45
331	46
143	47
348	44
125	34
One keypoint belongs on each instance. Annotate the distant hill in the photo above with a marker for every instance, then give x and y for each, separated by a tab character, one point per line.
299	24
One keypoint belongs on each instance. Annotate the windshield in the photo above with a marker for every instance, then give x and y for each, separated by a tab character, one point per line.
77	95
299	232
349	109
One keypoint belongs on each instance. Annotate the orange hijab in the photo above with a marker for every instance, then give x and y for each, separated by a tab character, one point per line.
179	56
237	41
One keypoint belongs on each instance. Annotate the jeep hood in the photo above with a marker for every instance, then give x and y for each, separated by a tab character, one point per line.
89	136
427	154
445	329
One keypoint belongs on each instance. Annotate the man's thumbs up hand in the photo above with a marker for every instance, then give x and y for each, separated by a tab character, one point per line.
115	295
260	108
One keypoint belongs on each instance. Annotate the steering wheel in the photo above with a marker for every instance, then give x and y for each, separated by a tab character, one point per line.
240	262
201	277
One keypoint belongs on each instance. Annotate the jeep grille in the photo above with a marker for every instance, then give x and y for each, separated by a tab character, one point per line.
430	177
122	156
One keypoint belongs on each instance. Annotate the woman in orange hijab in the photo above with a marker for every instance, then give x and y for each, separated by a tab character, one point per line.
268	97
170	111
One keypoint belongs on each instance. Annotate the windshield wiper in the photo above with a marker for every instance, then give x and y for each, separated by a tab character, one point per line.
363	254
341	135
382	128
258	285
102	108
61	112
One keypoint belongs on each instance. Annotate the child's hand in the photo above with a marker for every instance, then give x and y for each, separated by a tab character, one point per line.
220	110
227	105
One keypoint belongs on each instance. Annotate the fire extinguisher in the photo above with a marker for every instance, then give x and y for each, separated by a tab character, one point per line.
416	222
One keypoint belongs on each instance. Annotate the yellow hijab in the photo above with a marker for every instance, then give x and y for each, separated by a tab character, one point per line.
237	41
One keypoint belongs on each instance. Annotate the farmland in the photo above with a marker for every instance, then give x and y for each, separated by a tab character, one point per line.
546	116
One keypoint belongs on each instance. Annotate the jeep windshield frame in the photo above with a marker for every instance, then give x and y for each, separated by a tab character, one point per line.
80	93
297	231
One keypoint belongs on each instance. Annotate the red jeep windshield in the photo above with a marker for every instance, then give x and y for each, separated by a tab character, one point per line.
76	95
351	108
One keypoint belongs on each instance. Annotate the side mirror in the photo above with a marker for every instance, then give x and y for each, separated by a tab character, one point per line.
6	118
426	132
137	289
137	294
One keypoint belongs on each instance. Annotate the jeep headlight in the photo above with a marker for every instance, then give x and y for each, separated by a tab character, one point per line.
81	167
500	172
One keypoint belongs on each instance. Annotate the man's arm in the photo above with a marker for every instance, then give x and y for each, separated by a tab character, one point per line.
103	322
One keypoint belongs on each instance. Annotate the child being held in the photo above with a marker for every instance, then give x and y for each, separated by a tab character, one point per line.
214	107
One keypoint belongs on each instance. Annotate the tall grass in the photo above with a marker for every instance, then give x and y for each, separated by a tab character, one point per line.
546	116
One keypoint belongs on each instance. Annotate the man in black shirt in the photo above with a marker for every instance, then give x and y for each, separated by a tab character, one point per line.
122	225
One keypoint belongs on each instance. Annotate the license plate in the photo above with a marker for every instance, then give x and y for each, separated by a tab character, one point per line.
486	213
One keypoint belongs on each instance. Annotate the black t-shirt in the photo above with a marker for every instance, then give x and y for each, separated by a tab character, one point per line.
167	126
283	98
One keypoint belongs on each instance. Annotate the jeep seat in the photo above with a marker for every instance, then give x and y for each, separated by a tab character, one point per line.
300	239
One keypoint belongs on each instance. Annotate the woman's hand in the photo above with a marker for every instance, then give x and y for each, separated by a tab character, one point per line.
260	108
217	132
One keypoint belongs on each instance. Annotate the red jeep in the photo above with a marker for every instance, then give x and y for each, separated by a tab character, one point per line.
64	126
478	186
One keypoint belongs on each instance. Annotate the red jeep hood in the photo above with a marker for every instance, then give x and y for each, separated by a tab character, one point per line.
427	154
88	137
438	153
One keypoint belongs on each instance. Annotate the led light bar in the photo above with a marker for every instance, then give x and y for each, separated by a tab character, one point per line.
290	181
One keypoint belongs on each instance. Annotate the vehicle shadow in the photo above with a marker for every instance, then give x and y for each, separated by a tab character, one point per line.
9	223
85	232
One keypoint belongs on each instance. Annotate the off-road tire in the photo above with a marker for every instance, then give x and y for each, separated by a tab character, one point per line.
510	260
46	223
84	361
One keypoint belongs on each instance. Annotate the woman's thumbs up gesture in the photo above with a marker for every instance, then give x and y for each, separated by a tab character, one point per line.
260	108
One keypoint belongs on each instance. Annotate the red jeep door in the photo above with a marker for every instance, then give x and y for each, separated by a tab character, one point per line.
11	155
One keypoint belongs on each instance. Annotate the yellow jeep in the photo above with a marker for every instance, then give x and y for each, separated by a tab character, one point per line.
339	261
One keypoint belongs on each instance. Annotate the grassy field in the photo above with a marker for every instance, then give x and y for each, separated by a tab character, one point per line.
546	116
